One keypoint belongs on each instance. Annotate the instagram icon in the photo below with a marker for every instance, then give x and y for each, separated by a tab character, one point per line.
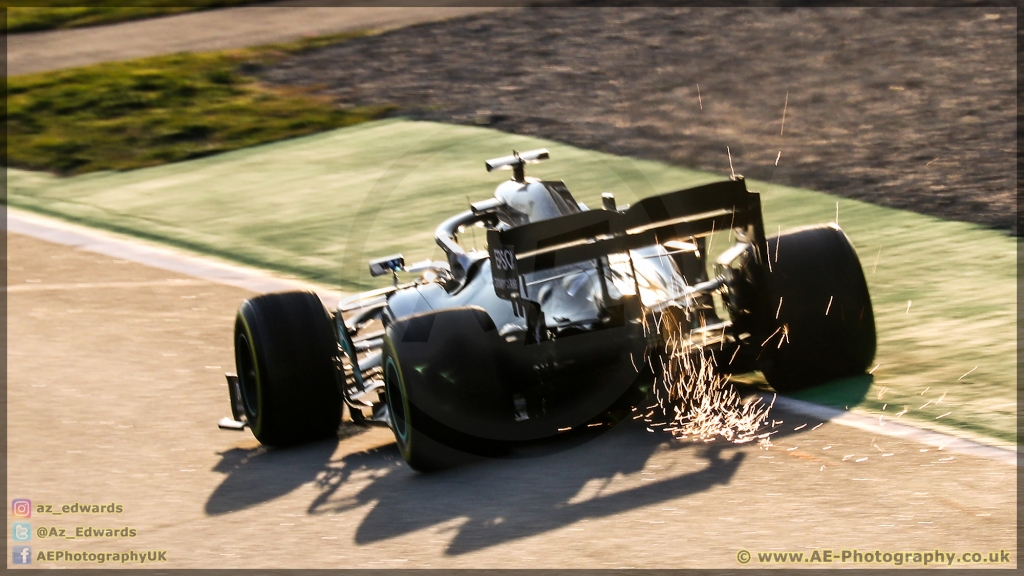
21	508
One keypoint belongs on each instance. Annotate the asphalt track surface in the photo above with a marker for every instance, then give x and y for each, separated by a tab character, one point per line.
115	386
210	30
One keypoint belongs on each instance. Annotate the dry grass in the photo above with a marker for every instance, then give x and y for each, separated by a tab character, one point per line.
124	115
37	18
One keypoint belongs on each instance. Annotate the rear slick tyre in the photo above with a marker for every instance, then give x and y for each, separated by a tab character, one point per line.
421	452
815	313
285	352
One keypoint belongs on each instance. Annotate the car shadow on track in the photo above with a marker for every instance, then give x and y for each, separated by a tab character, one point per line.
259	475
499	500
507	499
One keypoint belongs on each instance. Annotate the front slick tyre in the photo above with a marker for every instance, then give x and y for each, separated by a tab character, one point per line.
285	349
815	312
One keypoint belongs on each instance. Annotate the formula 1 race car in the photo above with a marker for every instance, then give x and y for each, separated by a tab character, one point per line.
557	325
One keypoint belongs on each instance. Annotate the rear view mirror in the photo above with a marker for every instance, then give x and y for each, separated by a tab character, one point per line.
387	264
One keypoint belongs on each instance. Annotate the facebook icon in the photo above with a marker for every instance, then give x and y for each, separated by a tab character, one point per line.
21	555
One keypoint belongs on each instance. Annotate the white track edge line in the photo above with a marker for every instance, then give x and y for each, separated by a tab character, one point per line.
136	250
255	280
943	441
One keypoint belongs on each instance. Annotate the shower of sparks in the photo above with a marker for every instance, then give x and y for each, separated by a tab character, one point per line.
804	425
777	159
968	372
785	336
779	309
711	239
927	388
909	302
778	241
765	343
837	213
941	415
877	256
872	371
699	101
731	171
734	353
784	108
818	426
698	403
829	307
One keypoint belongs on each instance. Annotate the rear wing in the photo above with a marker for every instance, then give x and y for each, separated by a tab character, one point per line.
689	213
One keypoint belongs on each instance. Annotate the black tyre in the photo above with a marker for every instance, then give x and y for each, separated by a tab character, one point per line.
421	452
285	349
825	327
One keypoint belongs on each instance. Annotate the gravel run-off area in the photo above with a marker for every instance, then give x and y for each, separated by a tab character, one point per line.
912	108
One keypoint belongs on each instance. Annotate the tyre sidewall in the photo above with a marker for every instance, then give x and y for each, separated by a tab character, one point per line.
393	369
420	451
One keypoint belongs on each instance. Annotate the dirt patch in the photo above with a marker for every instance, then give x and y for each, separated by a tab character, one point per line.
911	108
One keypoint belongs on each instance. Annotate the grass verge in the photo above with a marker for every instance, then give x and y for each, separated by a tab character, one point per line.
321	205
73	15
124	115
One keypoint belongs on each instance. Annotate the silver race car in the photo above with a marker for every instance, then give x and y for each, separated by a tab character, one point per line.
558	325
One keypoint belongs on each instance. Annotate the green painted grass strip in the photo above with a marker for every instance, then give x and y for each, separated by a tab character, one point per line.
320	206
